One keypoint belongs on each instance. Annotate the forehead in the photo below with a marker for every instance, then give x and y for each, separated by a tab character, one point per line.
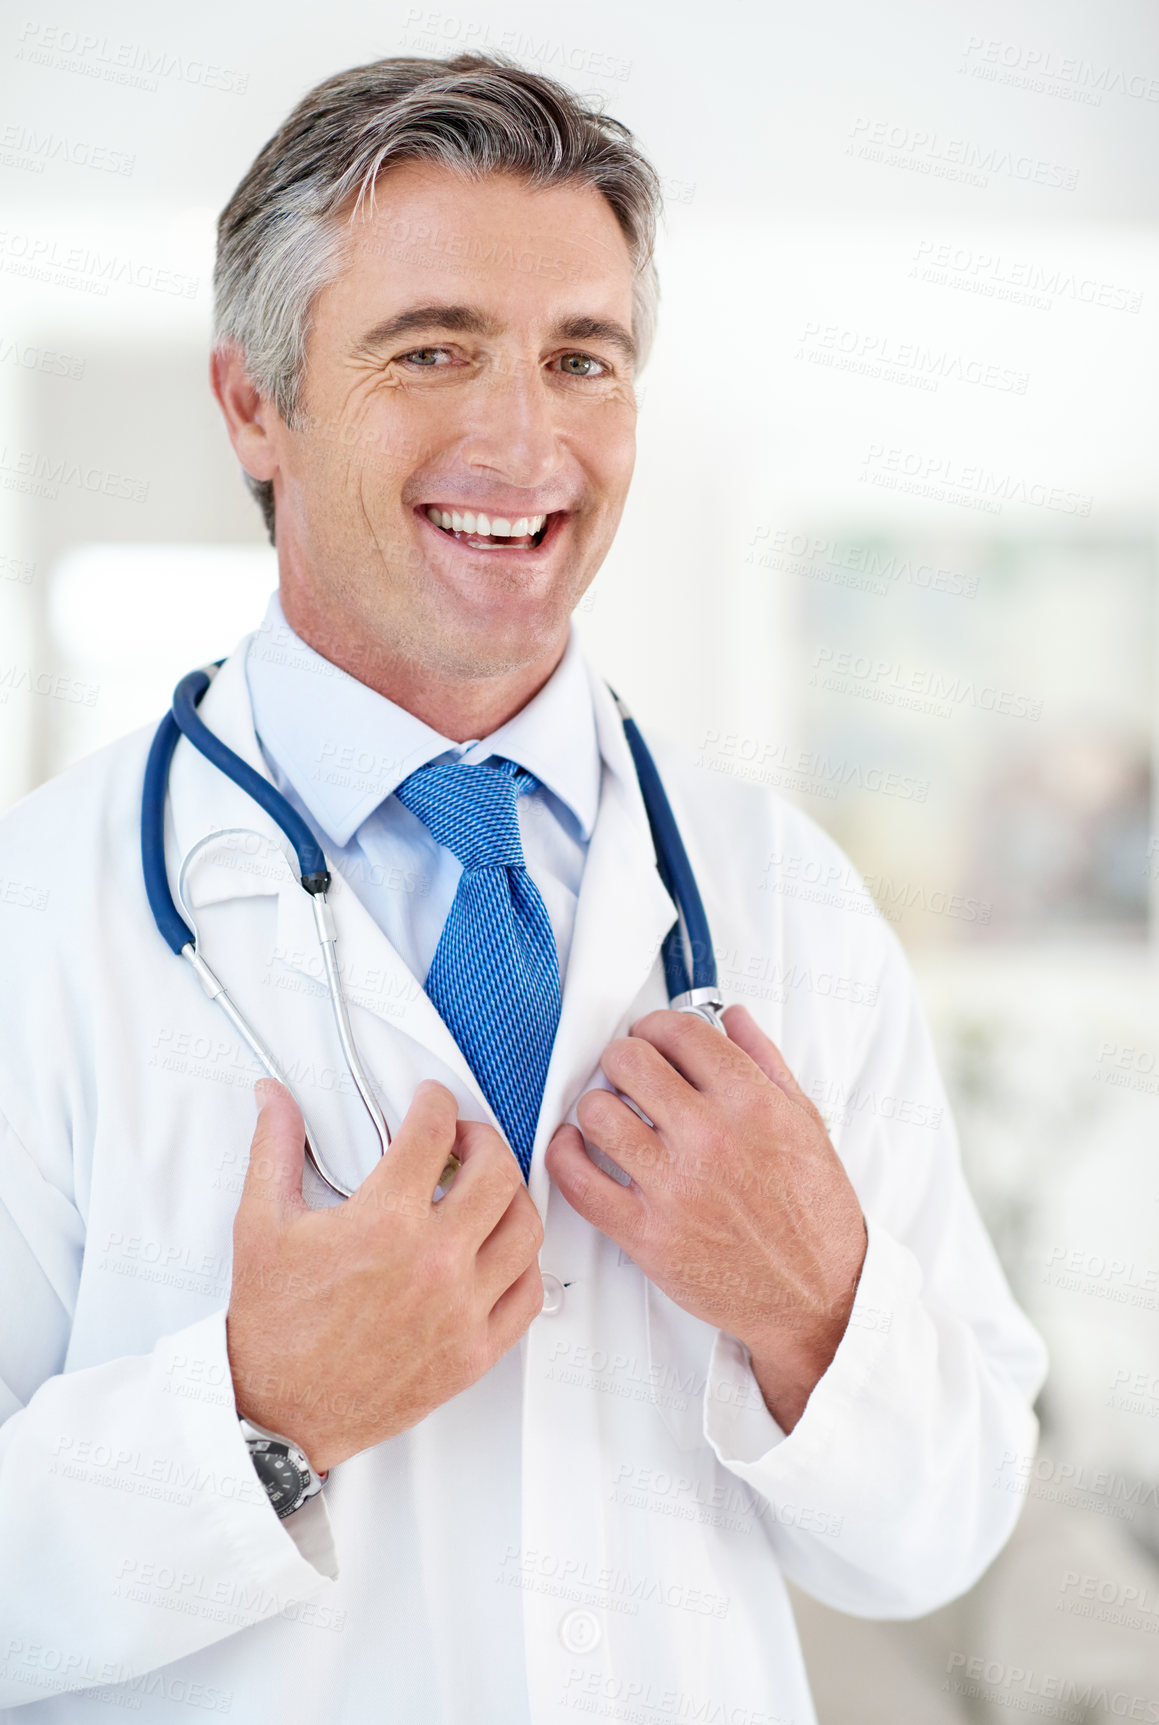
523	252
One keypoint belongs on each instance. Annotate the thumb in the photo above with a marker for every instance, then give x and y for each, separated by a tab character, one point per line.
744	1030
277	1152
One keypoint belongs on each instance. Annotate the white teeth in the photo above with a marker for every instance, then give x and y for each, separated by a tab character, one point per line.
527	526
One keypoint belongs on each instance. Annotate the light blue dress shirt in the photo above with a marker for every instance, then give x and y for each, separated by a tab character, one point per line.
337	750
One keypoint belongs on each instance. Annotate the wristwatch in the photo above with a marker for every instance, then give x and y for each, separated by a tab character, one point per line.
282	1467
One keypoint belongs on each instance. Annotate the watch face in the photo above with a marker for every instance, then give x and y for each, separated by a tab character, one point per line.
283	1481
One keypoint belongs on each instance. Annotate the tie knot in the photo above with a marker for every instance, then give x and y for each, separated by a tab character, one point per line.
471	810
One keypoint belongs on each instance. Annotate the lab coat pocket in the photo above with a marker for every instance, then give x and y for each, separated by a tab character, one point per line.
679	1350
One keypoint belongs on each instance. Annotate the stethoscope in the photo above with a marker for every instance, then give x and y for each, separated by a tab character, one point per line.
688	991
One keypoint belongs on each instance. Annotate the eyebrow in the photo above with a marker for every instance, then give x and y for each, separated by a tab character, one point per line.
597	329
472	320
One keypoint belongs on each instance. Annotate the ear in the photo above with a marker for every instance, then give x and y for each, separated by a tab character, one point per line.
249	416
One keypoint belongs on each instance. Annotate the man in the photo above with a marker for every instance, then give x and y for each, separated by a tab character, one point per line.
560	1430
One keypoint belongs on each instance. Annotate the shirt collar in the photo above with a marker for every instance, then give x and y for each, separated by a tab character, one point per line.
344	748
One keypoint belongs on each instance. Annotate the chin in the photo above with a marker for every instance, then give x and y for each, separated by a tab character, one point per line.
490	644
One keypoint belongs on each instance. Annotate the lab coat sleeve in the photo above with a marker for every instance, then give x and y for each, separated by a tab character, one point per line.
133	1528
895	1489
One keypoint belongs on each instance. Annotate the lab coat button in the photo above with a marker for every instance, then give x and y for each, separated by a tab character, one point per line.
552	1295
579	1631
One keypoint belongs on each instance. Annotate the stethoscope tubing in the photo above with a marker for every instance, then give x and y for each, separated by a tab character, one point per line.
688	991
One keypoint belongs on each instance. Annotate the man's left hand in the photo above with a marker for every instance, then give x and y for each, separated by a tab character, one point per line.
739	1208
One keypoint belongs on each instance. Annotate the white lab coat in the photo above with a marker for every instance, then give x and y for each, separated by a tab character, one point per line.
661	1505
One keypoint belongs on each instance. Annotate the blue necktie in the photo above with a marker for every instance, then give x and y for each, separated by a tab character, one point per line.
494	979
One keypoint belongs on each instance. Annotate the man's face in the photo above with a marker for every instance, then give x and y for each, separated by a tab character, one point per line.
466	430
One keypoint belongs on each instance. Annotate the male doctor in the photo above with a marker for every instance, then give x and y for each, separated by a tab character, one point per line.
549	1441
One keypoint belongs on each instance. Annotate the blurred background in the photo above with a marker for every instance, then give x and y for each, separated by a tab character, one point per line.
891	547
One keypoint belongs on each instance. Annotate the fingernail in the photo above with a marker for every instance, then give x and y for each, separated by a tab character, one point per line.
265	1090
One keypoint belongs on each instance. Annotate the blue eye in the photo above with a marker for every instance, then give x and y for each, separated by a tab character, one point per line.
571	361
424	356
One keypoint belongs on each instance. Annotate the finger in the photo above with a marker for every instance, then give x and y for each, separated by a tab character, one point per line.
707	1061
418	1152
613	1126
744	1030
509	1248
273	1179
515	1310
600	1200
640	1071
485	1185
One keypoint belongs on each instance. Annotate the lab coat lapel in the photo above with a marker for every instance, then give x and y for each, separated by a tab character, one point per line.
622	916
391	1000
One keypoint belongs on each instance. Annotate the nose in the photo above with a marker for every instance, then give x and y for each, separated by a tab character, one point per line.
516	433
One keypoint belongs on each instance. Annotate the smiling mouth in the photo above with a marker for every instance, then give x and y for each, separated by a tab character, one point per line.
482	532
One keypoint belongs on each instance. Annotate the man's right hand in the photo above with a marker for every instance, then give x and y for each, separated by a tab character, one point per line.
349	1324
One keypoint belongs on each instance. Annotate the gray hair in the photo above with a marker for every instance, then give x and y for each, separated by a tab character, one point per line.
280	237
